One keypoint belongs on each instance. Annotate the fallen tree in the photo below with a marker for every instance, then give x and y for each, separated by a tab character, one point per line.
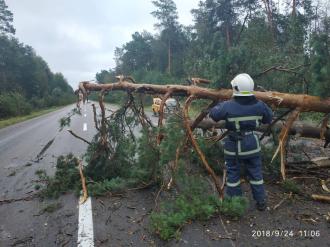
296	103
305	102
298	129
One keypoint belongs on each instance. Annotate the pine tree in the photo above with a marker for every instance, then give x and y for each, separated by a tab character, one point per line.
167	16
6	19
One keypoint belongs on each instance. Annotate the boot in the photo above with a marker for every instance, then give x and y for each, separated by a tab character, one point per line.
261	206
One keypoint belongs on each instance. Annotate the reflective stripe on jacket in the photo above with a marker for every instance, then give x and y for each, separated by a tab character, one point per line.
242	115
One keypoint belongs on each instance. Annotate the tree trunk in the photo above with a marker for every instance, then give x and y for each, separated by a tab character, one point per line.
294	8
281	100
298	128
169	57
228	35
269	13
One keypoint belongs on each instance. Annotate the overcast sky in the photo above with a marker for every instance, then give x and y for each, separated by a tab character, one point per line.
78	37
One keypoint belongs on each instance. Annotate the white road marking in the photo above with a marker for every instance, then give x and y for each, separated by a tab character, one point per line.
85	115
85	224
85	127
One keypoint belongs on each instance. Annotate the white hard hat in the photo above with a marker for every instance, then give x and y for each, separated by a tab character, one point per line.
242	85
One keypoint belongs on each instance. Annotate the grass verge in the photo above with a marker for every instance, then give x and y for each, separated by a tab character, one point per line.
10	121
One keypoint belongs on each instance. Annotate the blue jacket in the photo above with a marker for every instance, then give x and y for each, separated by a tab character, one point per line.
242	115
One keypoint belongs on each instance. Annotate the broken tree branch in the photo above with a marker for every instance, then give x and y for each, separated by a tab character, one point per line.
321	198
283	139
203	114
28	198
267	132
80	138
282	69
217	181
83	183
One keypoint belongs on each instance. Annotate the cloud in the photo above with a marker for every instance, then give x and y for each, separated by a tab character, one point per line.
78	37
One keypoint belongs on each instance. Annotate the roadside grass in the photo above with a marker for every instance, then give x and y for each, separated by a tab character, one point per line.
10	121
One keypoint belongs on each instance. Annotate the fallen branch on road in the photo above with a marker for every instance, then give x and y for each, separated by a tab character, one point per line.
83	184
80	138
321	198
28	198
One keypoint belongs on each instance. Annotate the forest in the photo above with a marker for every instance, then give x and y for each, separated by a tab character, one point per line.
26	81
283	45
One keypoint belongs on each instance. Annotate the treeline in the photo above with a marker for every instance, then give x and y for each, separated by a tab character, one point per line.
284	46
26	82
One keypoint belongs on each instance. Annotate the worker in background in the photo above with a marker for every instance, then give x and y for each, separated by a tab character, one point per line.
243	114
80	99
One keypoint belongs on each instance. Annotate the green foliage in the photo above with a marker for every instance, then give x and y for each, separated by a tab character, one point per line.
66	121
213	153
6	19
108	163
114	185
267	153
230	37
66	177
13	104
320	59
174	136
313	118
192	204
148	156
127	161
234	206
13	120
105	76
26	81
291	186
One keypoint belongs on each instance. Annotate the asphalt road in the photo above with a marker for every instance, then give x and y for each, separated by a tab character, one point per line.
108	222
23	223
117	220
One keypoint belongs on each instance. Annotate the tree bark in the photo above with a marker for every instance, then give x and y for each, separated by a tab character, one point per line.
305	102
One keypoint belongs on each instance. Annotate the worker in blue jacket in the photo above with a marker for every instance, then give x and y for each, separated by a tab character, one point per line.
243	114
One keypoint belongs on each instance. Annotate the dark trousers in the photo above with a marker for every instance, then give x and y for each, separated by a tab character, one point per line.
253	169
